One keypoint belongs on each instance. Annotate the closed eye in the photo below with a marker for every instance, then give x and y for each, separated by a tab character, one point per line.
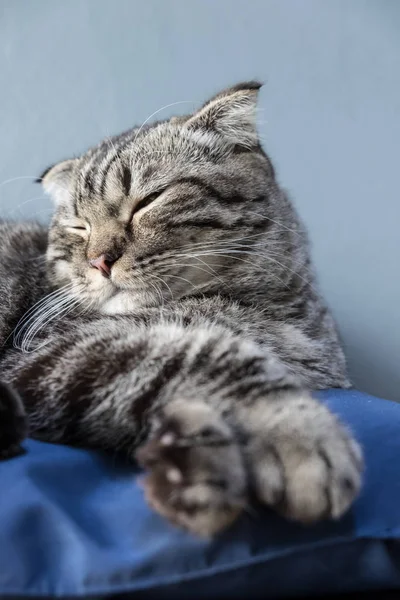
146	201
76	227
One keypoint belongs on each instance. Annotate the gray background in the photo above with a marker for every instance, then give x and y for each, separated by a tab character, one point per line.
74	71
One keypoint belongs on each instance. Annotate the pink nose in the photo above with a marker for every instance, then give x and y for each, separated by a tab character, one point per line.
103	263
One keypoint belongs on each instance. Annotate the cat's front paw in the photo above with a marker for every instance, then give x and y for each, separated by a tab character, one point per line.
302	460
195	472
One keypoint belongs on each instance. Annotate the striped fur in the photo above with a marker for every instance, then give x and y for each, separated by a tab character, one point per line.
200	343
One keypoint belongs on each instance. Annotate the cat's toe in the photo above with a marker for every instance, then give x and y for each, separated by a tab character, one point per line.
307	466
195	473
199	508
321	483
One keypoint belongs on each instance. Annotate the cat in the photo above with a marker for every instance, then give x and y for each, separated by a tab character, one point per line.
170	313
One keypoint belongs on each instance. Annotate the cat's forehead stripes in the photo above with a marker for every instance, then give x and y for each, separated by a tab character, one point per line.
132	164
103	182
98	162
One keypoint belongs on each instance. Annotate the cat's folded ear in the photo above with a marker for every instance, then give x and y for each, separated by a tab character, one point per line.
231	113
57	180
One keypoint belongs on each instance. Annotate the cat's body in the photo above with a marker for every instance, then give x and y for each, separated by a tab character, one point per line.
189	321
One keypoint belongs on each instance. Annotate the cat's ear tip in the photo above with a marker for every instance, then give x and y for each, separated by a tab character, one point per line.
252	85
43	175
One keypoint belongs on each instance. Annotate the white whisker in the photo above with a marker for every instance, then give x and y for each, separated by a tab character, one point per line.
6	181
117	154
62	308
231	241
164	282
158	111
227	254
34	178
50	296
18	208
26	318
40	315
154	286
276	222
212	273
183	279
43	311
153	115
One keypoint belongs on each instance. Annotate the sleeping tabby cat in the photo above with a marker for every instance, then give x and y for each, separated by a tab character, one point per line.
170	313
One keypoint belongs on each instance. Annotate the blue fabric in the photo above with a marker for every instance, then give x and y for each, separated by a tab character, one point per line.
74	523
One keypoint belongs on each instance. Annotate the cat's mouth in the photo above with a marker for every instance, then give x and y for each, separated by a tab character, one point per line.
120	293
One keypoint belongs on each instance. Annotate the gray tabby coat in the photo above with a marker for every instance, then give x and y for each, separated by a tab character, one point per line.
171	313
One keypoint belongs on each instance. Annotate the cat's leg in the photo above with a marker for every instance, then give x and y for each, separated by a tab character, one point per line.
213	415
102	384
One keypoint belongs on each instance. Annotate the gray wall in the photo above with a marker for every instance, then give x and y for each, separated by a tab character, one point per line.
74	71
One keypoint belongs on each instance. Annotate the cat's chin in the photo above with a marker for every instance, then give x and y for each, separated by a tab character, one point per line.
125	302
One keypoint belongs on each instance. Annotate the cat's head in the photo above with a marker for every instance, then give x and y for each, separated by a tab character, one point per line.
180	207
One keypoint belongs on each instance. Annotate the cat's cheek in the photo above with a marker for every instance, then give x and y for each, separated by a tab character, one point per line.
62	271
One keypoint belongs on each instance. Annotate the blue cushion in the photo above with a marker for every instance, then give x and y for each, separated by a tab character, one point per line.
74	523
